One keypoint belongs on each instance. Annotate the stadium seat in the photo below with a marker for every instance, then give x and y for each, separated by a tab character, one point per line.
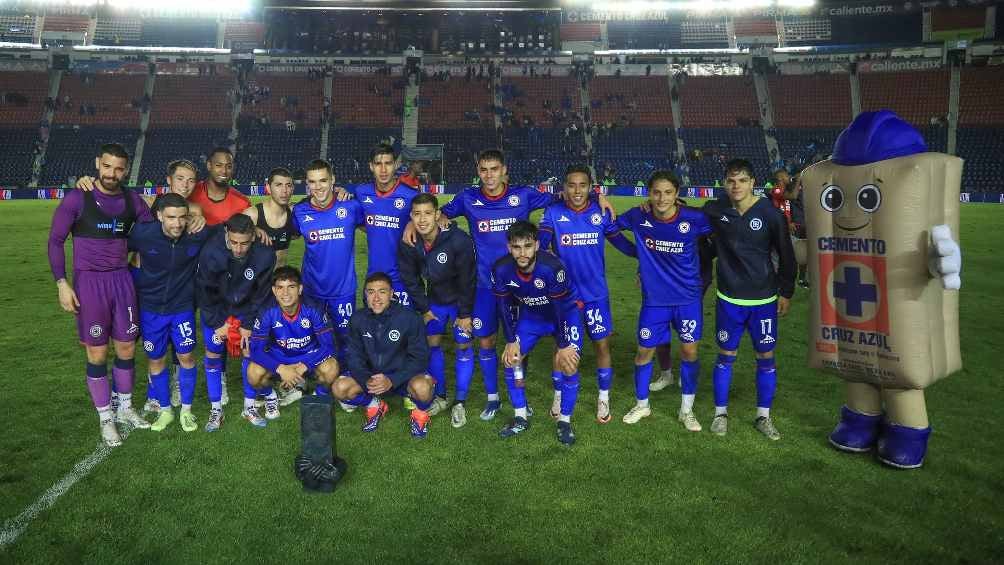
719	101
71	150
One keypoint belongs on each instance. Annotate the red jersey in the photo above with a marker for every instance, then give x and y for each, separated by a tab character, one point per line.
780	202
217	212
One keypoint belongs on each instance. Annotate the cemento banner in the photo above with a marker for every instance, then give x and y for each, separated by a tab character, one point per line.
877	314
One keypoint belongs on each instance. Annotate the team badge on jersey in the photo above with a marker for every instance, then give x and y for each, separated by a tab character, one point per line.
249	274
147	346
476	323
645	333
538	283
442	257
560	277
483	226
513	200
684	227
305	323
399	203
394	335
342	213
566	239
723	336
756	224
596	219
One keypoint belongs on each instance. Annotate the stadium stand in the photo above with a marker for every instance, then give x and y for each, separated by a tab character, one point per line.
709	148
801	101
17	156
538	98
118	31
460	149
178	32
644	35
72	149
100	100
181	100
16	27
368	101
643	101
349	147
166	144
634	153
720	101
924	100
457	103
262	148
23	97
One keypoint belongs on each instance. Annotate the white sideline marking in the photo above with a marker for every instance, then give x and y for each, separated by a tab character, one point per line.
13	528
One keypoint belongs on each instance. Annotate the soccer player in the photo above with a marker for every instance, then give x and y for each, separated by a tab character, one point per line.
667	244
328	227
165	286
274	216
102	296
577	229
490	209
751	293
387	355
214	195
440	274
292	337
536	298
232	283
387	203
180	180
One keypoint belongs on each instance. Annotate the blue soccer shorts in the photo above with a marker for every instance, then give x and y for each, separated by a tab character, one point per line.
159	329
486	315
760	321
444	315
655	322
599	319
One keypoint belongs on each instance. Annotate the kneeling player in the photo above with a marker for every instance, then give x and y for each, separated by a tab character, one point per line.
547	305
387	355
291	337
667	246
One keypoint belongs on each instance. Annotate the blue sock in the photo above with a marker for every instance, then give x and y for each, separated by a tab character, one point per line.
489	361
569	393
214	378
556	379
249	391
766	382
437	368
517	395
689	372
322	390
642	378
465	372
361	399
721	379
186	382
604	378
151	392
420	404
160	384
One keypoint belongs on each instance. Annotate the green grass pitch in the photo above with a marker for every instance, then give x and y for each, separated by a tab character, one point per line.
649	493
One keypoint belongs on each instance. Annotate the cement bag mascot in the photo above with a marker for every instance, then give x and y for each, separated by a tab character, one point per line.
882	219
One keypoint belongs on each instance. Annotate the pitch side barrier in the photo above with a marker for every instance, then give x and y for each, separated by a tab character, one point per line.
300	189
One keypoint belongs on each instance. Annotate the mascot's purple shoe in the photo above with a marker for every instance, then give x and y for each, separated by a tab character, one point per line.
903	447
856	432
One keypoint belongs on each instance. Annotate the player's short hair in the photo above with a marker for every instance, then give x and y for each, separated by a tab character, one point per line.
425	198
666	176
378	276
279	172
736	166
382	149
579	168
239	223
491	155
319	165
286	273
172	200
173	166
521	230
220	149
115	150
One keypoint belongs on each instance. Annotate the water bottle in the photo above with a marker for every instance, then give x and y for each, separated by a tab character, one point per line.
517	373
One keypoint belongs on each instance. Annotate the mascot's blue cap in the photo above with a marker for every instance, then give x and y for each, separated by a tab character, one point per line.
877	136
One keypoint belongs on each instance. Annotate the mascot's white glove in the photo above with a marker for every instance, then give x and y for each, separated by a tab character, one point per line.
944	258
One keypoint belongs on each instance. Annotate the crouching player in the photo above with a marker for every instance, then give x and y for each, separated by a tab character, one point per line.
291	337
444	260
667	243
387	355
168	257
547	305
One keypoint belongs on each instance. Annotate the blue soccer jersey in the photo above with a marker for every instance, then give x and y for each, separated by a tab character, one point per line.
579	240
276	336
386	216
329	236
545	294
668	256
490	217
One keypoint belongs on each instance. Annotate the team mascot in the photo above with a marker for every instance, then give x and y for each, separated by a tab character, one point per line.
882	219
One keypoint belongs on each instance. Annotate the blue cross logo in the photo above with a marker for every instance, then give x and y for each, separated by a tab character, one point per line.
853	292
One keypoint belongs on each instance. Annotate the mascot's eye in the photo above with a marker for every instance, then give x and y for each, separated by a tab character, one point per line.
869	198
832	198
